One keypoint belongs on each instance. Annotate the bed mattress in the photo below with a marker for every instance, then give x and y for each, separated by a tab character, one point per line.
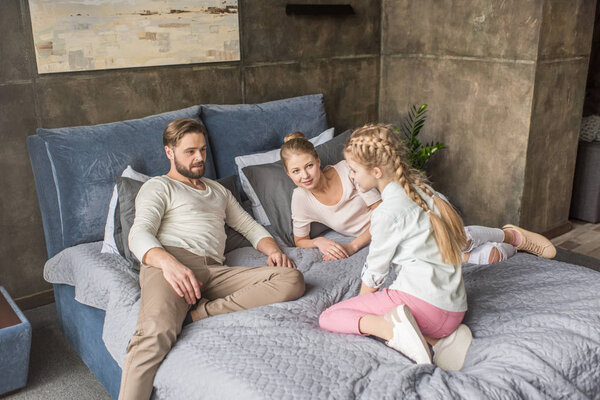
535	324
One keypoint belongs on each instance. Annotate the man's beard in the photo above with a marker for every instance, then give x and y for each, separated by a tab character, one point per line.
187	172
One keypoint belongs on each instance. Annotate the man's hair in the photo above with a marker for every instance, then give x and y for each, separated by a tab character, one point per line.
181	127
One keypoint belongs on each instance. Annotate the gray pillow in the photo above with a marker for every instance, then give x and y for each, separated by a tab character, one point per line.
274	188
128	190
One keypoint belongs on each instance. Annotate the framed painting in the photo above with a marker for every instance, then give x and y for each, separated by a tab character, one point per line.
83	35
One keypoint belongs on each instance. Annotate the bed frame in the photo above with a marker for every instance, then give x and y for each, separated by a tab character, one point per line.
82	326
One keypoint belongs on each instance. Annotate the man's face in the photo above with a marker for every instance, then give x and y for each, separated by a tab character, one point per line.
189	155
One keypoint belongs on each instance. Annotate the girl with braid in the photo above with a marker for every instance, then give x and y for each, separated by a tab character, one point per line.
331	197
418	233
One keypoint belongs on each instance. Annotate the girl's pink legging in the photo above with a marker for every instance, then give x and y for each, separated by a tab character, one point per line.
434	322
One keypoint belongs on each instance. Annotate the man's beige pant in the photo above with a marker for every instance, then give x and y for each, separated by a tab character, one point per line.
162	311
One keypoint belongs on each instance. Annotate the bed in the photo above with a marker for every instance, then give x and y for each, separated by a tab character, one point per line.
535	322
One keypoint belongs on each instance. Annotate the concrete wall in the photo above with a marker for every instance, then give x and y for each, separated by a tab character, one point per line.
560	81
592	99
281	56
504	82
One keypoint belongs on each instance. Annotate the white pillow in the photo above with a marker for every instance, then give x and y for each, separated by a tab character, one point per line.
109	245
267	158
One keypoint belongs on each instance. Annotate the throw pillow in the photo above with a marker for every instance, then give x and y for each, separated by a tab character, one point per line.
266	158
112	237
274	188
248	128
128	190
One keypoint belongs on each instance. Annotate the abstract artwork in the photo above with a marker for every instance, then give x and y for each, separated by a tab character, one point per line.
82	35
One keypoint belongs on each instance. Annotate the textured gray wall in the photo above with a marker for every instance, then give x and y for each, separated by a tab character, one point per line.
473	62
560	82
281	56
505	84
592	99
504	81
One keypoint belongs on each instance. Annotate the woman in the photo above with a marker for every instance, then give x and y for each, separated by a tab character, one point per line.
327	196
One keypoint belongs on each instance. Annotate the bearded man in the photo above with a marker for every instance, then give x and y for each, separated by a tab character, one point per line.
179	236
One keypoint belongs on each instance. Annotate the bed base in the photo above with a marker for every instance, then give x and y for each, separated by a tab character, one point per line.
82	326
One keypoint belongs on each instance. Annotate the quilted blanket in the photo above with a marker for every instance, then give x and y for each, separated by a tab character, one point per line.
535	324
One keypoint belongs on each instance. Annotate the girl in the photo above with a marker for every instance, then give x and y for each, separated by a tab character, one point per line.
420	235
331	197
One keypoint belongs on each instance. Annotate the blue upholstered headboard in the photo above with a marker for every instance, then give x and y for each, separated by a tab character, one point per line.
75	168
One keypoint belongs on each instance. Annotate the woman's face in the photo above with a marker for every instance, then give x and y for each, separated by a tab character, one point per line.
304	170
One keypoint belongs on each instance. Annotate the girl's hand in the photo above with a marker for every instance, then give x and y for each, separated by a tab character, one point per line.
364	289
331	250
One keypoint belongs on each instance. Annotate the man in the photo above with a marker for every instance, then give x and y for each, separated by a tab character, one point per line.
178	235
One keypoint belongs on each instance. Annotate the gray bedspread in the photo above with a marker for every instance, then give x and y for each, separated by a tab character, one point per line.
536	328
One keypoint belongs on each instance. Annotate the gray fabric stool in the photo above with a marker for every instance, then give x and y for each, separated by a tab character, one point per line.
585	203
15	345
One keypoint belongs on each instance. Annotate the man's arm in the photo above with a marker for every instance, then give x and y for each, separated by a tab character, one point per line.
237	218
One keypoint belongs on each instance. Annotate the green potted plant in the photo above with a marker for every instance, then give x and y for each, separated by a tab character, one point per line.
409	130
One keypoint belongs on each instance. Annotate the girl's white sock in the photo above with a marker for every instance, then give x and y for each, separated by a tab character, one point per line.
481	254
478	235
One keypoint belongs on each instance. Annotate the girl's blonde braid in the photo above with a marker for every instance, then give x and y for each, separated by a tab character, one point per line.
385	152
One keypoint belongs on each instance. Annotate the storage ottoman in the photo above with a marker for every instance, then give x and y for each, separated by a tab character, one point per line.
15	345
585	203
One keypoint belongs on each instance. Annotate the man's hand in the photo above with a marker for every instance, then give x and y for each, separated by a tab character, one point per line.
181	278
279	259
331	250
275	257
183	281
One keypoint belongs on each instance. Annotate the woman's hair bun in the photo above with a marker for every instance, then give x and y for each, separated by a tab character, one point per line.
294	135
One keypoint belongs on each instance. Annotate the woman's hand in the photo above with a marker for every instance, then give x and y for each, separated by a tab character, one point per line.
331	250
350	249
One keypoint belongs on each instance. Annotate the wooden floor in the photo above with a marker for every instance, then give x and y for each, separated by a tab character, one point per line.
584	238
